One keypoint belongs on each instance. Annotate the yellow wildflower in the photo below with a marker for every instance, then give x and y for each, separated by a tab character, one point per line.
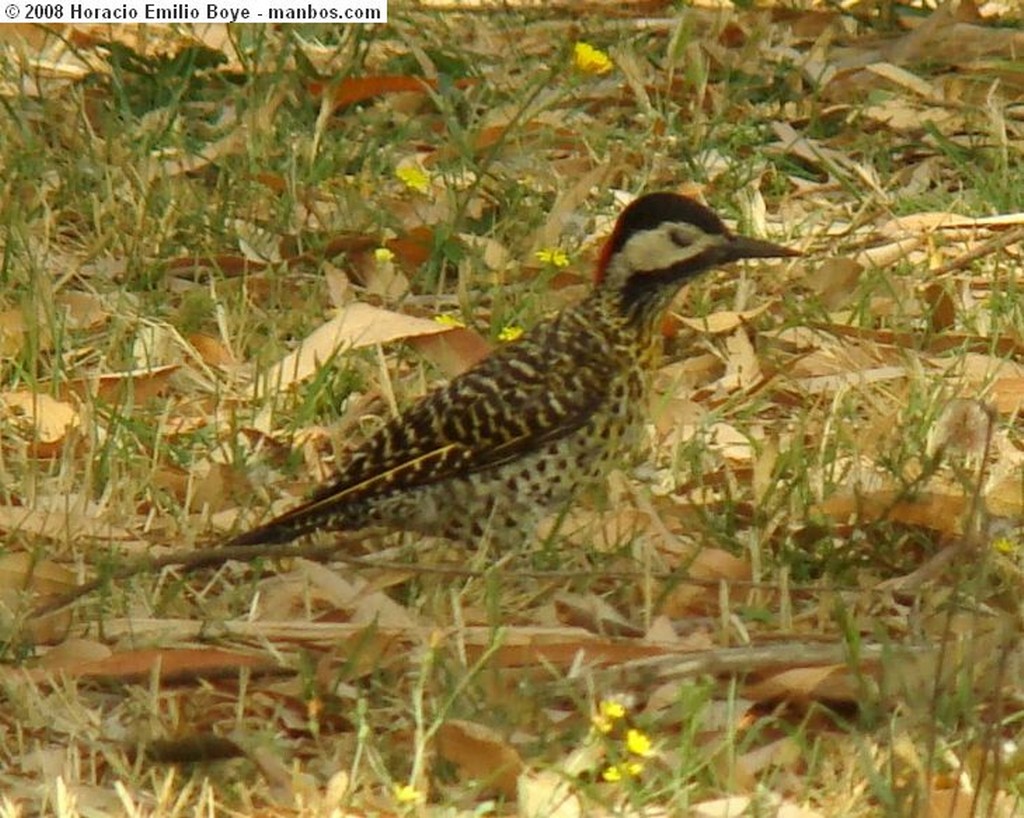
510	333
446	319
382	255
626	769
638	743
407	794
591	60
1005	546
609	711
552	256
612	709
414	178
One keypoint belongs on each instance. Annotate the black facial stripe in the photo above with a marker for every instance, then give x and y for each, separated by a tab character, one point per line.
648	286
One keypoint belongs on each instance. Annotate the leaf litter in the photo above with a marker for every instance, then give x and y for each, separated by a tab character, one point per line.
826	521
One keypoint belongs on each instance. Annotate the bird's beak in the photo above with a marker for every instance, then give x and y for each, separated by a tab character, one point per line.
740	247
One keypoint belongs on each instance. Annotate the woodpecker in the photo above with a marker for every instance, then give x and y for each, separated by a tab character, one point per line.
520	433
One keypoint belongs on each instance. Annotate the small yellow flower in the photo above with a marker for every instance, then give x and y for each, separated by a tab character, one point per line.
446	319
627	769
638	743
1005	546
414	178
609	711
510	333
552	256
612	709
591	60
407	794
382	255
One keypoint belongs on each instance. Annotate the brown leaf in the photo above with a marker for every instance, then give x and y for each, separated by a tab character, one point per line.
174	665
211	349
835	281
453	352
82	310
724	321
12	332
59	525
21	571
480	754
27	581
931	510
832	682
546	794
593	614
356	325
145	384
351	90
716	564
44	421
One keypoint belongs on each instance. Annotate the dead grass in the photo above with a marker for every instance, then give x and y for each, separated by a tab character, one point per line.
806	600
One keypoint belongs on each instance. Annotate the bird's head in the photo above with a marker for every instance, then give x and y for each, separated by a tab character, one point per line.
660	242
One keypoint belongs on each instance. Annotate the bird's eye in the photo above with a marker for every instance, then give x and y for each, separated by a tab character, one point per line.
680	237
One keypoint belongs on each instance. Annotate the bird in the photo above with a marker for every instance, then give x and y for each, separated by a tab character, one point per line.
523	431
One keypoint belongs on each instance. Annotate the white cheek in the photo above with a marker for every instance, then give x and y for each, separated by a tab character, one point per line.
655	250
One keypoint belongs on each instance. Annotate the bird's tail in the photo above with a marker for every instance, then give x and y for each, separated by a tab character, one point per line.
326	513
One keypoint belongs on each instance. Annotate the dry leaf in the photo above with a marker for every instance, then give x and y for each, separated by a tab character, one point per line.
142	384
42	420
546	794
175	665
725	321
453	352
356	325
831	682
481	755
64	526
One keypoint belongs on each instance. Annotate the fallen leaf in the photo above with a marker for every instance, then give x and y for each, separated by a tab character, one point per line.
356	325
44	421
351	90
453	352
173	664
112	387
724	321
830	682
546	794
481	755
